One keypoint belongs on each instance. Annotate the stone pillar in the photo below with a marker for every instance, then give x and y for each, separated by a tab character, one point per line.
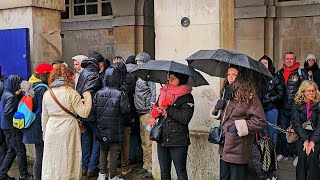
42	17
211	27
133	27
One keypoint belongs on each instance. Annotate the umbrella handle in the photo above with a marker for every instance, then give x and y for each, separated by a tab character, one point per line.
213	116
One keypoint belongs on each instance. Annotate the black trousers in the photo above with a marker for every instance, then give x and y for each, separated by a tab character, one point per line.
16	148
231	171
308	166
179	157
3	147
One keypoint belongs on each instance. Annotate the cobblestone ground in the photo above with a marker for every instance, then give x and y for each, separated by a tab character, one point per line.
133	175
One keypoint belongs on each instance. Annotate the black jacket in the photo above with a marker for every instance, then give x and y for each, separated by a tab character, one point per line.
315	72
272	94
290	90
89	80
110	105
175	131
299	116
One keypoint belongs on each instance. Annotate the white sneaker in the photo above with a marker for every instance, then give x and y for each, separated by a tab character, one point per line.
116	178
102	176
281	157
274	178
295	161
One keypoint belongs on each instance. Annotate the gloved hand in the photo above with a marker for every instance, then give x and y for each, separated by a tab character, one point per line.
220	104
154	113
233	128
165	103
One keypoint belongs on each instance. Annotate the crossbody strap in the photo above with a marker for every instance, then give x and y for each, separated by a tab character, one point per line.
61	106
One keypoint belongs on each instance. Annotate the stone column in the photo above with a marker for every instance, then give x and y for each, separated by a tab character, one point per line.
211	27
42	18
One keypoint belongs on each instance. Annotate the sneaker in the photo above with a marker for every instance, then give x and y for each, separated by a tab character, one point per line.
295	161
116	178
147	175
125	169
281	157
102	176
274	178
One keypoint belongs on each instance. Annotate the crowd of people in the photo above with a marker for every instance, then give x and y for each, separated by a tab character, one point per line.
89	119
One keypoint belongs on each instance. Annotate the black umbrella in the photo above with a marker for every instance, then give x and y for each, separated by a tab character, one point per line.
157	71
217	62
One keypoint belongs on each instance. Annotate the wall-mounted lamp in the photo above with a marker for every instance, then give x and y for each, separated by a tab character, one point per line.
185	22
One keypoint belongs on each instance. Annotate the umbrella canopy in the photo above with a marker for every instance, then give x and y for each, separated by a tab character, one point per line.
157	71
217	62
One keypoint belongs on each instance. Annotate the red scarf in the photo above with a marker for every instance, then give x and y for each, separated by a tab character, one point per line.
168	95
288	71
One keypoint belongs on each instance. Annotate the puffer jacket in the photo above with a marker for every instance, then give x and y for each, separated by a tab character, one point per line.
175	130
110	105
299	116
144	96
237	149
9	101
272	94
290	90
89	80
33	134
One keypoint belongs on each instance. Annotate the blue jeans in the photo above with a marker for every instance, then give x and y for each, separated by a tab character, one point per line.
90	156
284	118
134	142
272	117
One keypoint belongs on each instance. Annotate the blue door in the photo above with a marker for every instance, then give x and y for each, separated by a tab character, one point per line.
14	52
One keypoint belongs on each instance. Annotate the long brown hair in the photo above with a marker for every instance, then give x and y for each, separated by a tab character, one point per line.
61	71
244	87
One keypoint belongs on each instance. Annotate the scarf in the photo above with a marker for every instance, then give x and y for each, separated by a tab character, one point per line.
59	81
288	71
33	79
228	92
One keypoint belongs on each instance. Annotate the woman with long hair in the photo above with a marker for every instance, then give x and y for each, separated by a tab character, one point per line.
61	132
305	121
242	117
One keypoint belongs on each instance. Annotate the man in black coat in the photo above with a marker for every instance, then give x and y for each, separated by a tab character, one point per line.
89	81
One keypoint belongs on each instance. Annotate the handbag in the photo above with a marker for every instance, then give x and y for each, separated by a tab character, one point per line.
291	135
155	133
82	129
216	134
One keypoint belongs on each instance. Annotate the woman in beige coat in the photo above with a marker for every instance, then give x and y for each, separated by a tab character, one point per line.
61	132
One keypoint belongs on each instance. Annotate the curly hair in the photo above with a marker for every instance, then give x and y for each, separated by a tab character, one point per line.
300	97
62	71
244	88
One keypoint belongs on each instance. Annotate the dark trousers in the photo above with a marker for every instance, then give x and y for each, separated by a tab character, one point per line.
114	150
308	166
37	167
231	171
179	157
16	148
3	147
284	119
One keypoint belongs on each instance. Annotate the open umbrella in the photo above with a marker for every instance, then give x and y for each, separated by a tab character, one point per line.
157	71
217	62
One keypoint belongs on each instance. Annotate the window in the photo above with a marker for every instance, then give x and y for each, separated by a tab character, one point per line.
84	8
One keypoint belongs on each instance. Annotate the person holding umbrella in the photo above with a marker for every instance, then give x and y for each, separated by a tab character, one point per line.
175	107
305	122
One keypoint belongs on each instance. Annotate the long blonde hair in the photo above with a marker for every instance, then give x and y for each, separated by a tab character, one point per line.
300	98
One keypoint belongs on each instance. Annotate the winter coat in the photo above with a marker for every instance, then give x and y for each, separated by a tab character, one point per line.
299	116
315	72
33	134
9	101
175	131
110	105
89	80
251	120
62	144
145	95
290	90
272	94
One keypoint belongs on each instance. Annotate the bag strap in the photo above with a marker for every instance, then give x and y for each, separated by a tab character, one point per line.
40	85
61	106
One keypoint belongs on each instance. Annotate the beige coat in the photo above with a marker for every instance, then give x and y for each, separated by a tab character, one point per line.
62	145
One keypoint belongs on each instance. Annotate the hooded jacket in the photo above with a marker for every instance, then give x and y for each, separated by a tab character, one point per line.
79	59
9	101
145	92
110	105
89	80
271	93
315	69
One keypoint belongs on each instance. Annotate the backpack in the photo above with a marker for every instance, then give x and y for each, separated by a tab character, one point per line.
25	116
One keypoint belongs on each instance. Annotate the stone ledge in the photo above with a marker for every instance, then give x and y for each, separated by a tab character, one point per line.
49	4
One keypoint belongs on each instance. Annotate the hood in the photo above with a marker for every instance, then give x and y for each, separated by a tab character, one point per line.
131	67
113	78
34	79
12	83
121	66
271	68
143	57
131	60
90	63
79	58
96	55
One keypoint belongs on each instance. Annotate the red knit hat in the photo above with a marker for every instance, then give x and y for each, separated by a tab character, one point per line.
44	68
